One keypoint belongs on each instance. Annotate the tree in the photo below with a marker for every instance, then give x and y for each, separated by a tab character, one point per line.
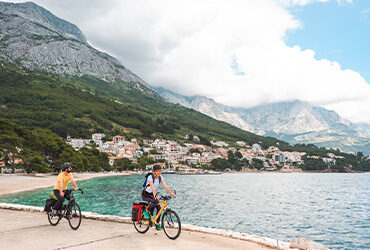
122	164
257	163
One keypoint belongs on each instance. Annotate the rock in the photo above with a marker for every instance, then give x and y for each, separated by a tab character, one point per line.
306	244
33	38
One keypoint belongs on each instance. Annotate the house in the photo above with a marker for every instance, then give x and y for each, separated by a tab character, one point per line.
256	148
113	158
97	137
219	143
118	139
240	143
77	143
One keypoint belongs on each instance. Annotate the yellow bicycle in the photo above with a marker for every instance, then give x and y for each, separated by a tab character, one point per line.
170	220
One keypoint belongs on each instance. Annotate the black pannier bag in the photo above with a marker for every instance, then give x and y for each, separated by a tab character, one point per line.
48	204
137	210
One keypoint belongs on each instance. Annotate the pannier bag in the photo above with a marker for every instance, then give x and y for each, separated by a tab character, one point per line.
48	204
137	210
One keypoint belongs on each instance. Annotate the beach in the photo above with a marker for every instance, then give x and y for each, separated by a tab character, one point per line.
16	183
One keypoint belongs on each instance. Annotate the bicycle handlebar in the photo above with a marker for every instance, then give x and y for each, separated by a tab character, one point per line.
72	190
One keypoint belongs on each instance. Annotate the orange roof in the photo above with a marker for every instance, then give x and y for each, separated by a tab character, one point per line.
115	157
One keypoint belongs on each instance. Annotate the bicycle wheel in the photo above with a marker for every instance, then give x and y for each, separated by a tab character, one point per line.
74	216
54	218
171	224
142	226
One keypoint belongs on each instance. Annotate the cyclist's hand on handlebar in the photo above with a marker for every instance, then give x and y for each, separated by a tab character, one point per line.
76	188
172	194
61	193
158	197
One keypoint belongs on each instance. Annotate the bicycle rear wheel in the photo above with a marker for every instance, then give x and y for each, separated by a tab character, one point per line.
142	226
171	224
74	216
54	218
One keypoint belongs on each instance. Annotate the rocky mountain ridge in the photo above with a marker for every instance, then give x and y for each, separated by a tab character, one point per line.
33	38
295	122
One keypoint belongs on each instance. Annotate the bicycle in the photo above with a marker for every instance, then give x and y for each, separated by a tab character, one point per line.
71	212
170	220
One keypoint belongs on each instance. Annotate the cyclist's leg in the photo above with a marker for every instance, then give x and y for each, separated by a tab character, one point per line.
60	201
149	197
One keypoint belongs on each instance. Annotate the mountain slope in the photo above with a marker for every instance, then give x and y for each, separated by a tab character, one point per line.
33	38
295	122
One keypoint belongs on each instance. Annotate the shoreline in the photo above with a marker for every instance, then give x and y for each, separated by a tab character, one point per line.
22	183
264	242
25	185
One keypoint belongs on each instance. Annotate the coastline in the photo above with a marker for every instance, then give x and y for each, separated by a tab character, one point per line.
25	183
225	238
19	183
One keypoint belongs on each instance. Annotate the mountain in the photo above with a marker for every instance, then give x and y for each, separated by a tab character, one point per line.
33	38
50	77
295	121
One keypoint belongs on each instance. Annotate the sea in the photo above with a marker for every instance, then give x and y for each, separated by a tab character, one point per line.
329	208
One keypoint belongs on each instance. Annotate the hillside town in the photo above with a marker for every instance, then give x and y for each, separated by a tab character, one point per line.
188	157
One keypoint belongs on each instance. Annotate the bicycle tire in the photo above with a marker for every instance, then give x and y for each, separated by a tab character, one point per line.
142	226
171	224
74	212
50	218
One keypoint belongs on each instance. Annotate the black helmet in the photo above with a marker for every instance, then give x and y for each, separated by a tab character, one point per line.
66	165
156	167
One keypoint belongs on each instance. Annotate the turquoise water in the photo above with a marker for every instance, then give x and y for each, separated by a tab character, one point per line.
333	209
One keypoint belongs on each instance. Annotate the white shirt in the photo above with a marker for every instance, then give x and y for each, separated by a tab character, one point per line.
155	182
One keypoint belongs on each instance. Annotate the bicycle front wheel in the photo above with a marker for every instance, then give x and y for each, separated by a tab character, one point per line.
142	226
74	216
171	224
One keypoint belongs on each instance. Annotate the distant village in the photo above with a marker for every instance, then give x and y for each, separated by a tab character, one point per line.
190	157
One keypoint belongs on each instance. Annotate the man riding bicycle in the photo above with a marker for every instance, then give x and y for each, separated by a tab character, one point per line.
60	188
150	191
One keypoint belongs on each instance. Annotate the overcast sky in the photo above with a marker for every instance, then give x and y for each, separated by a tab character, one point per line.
235	52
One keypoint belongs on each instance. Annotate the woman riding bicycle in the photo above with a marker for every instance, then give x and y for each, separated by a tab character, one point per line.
150	191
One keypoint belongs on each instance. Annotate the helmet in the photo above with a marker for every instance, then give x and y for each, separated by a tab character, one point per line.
156	167
66	165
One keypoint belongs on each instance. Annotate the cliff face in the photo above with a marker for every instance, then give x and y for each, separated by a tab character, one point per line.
33	38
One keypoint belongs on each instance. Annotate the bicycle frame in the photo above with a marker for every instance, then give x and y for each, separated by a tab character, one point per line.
163	205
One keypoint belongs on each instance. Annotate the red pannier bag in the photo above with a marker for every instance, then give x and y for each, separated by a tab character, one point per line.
137	210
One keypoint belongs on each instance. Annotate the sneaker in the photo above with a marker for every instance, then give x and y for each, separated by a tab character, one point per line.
158	226
146	215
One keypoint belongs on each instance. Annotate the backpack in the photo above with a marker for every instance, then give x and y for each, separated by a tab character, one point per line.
145	185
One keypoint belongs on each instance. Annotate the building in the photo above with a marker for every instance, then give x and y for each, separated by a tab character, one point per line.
118	139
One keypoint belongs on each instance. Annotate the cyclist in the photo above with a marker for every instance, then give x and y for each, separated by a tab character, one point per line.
150	191
60	188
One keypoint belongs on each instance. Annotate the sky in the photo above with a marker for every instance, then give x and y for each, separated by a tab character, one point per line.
239	52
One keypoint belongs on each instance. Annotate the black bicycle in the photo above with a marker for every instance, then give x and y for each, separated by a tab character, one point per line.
71	212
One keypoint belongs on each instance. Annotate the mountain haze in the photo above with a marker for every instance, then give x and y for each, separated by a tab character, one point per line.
295	122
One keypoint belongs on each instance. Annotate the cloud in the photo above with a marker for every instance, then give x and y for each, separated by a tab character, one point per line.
232	51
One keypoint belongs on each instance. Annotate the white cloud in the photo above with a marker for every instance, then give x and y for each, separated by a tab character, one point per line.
193	47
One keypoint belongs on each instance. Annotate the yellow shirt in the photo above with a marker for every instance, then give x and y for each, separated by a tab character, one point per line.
64	178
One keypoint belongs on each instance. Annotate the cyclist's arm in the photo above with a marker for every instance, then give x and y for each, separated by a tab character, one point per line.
74	183
61	188
167	188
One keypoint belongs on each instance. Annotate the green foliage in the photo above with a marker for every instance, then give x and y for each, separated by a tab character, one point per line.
313	164
257	163
123	164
